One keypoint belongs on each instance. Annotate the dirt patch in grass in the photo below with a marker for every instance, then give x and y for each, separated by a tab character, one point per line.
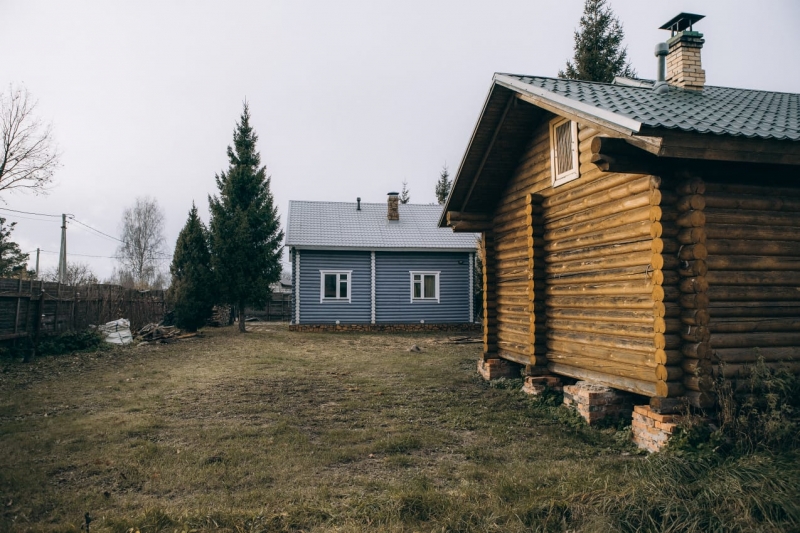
281	431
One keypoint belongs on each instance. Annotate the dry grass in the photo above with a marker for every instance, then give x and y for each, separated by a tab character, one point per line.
280	431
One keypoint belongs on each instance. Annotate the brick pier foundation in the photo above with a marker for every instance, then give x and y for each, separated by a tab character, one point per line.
597	402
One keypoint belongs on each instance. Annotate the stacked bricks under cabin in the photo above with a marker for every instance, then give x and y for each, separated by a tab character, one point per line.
651	430
536	385
496	368
597	402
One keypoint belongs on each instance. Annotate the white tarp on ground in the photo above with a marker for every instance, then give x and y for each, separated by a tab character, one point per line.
117	331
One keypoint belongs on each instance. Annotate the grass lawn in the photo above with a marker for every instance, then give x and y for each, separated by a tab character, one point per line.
281	431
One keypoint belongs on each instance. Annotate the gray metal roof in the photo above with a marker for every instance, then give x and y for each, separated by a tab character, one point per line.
720	110
338	225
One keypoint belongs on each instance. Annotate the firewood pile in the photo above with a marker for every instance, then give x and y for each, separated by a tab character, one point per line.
220	316
462	340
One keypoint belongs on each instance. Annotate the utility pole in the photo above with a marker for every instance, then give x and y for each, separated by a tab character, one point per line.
37	263
62	255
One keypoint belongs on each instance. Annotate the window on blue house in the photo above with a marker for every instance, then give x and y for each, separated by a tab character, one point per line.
424	286
335	285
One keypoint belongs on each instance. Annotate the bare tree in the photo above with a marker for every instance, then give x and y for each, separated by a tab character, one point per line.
77	274
28	157
142	253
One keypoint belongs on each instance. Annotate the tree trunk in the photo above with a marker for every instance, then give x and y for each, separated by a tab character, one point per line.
241	318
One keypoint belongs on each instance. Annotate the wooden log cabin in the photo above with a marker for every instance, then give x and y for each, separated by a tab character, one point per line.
641	235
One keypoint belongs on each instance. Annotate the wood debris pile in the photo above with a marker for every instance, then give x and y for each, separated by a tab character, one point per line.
220	316
163	334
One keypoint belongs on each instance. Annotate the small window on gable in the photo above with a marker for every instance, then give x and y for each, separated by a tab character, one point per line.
335	285
424	286
563	151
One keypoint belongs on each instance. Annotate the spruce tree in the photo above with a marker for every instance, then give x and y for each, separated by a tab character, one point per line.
12	260
443	186
245	229
191	292
405	196
599	54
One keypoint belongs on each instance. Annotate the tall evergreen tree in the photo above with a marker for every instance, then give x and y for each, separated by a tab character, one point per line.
443	185
245	229
405	196
599	54
12	260
191	292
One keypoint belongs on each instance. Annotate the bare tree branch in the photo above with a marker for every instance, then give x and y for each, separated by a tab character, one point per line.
28	157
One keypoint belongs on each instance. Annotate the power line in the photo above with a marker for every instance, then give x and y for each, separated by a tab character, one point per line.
95	230
29	212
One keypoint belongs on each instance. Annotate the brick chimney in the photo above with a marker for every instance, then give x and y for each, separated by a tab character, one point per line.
684	69
394	210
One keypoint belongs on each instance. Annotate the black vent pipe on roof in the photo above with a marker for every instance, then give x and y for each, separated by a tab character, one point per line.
358	204
661	86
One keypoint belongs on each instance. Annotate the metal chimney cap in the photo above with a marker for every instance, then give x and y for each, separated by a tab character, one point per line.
681	22
394	194
662	49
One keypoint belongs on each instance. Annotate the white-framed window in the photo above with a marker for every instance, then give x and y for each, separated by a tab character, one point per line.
563	150
424	286
334	285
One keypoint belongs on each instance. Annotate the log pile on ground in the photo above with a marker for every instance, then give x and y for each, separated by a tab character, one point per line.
163	334
220	316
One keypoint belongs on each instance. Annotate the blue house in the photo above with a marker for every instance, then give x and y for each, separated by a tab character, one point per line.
385	266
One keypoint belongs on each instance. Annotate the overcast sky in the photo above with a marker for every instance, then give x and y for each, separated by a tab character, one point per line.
348	98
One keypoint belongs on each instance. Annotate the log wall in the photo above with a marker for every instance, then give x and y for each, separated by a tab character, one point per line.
579	275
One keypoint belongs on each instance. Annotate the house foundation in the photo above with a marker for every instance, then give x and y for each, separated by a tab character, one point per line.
597	402
536	385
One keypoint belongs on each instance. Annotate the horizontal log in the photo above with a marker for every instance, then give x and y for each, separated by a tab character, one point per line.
696	367
630	344
746	263
571	192
606	366
695	317
764	325
749	340
516	253
692	236
607	302
691	219
668	373
523	359
621	205
700	400
691	202
635	274
457	216
608	222
737	188
640	185
644	388
694	300
614	316
643	331
694	284
752	232
751	355
520	339
754	277
696	350
605	250
464	226
759	218
691	268
698	383
642	287
733	293
735	246
752	203
693	251
754	309
629	232
586	133
691	186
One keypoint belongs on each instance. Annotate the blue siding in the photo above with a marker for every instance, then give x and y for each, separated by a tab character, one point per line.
393	287
312	311
294	284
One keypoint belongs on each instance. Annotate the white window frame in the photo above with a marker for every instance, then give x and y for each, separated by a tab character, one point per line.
424	273
574	172
338	273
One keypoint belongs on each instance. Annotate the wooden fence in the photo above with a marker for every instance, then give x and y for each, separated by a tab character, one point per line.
29	307
278	308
